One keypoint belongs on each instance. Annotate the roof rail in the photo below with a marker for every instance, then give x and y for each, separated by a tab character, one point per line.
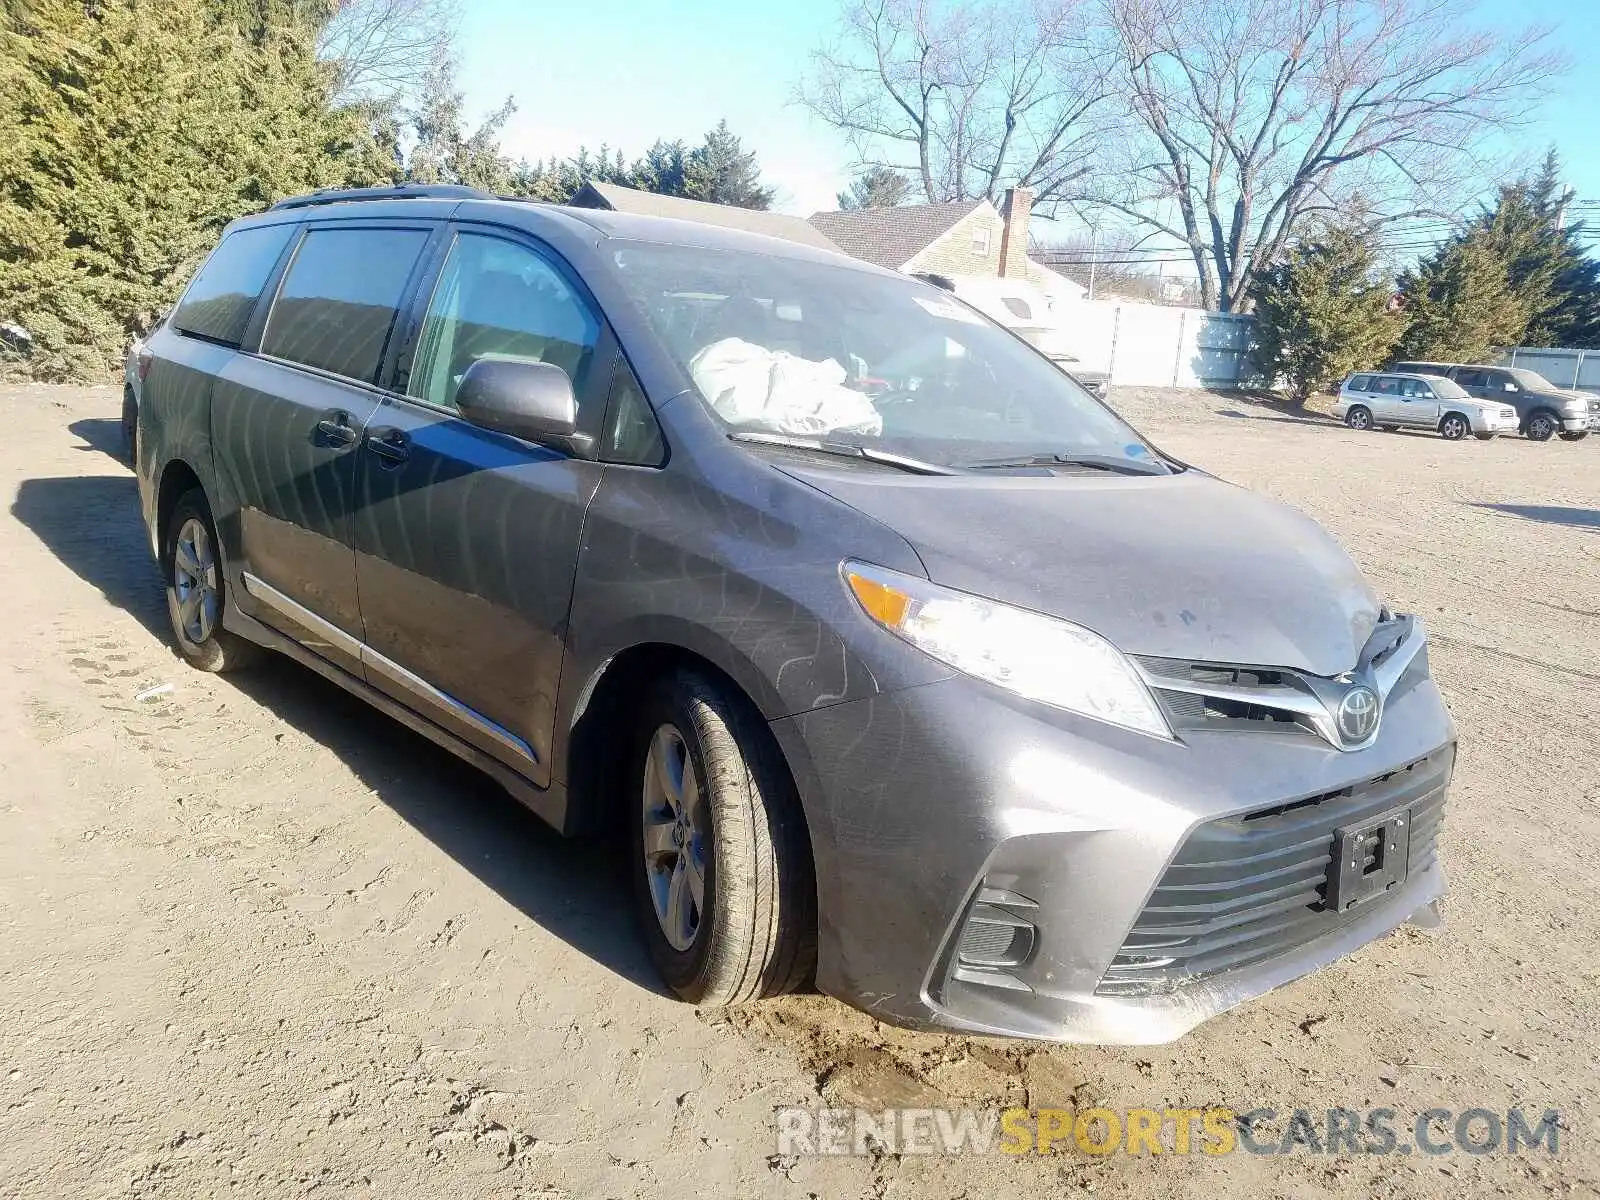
404	191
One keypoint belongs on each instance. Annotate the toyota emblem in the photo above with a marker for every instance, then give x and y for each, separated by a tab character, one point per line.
1358	715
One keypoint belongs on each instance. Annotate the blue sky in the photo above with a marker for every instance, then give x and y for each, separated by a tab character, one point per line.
625	72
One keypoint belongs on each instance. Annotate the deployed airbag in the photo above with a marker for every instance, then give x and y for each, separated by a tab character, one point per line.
774	390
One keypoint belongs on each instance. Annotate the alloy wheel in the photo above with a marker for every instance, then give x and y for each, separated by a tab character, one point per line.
675	837
1454	428
1540	427
194	580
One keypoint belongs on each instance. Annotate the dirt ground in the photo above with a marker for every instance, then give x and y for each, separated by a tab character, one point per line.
256	940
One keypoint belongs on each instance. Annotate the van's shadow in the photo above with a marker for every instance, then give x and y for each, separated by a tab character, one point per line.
101	433
576	889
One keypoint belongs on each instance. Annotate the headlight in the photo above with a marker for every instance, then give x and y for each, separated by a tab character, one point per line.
1575	407
1043	658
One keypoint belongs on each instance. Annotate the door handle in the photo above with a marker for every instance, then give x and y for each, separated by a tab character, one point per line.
335	429
390	444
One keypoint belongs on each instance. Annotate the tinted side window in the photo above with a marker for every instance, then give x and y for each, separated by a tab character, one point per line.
1358	383
1384	386
219	301
499	298
1469	379
339	297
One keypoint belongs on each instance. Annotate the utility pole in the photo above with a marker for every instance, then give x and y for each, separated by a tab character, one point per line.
1094	258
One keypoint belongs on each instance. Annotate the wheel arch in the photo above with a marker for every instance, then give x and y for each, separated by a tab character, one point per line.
177	479
608	698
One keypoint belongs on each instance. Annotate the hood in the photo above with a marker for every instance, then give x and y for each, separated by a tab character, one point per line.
1178	566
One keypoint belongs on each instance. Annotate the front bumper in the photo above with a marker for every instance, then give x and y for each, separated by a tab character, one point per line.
927	803
1581	423
1493	422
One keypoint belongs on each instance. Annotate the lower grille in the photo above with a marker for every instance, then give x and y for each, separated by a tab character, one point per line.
1248	888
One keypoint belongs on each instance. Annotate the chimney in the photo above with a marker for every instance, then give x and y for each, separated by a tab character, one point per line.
1014	209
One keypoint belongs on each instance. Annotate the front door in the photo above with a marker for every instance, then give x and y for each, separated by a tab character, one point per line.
1418	405
467	540
286	422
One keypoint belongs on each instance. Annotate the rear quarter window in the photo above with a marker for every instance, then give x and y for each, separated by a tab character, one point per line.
1358	383
339	297
219	302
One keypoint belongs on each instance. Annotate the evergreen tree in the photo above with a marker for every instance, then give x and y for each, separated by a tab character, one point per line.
721	171
718	170
877	187
1323	310
1552	288
444	151
1461	302
135	132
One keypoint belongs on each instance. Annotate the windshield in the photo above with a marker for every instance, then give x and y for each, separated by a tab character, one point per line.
1532	380
1446	389
787	346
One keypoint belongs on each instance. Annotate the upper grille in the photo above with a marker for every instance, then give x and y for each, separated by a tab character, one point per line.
1247	888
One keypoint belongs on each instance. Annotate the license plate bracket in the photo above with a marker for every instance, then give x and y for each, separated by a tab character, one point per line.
1369	858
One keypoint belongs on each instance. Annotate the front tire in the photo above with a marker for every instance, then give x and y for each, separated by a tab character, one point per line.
197	589
721	863
1542	426
1359	418
1453	427
1576	435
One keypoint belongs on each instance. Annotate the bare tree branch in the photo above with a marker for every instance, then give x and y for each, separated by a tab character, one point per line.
966	99
382	50
1263	110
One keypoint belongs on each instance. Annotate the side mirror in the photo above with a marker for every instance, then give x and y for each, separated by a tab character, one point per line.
1510	387
525	398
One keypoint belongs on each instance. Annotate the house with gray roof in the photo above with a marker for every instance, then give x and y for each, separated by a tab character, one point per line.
961	237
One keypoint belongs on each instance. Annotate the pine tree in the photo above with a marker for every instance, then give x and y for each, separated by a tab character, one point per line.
1461	302
135	132
1551	282
444	151
721	171
877	187
1323	310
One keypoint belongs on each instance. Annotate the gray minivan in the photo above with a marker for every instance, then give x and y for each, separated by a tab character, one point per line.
907	666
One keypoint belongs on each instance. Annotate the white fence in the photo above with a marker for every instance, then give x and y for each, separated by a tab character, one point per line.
1564	368
1148	345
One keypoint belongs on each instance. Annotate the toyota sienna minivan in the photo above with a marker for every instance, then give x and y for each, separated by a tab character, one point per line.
908	668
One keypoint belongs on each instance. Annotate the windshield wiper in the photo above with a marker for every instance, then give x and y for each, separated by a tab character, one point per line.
842	450
1095	462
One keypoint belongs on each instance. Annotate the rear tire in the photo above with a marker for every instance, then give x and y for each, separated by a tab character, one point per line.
130	428
1542	426
1359	418
1453	427
197	589
1576	435
713	811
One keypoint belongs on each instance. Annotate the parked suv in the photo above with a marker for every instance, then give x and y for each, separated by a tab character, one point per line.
905	663
1543	409
1387	400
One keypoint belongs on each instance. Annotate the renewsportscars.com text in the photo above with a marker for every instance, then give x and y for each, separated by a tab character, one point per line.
1209	1131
